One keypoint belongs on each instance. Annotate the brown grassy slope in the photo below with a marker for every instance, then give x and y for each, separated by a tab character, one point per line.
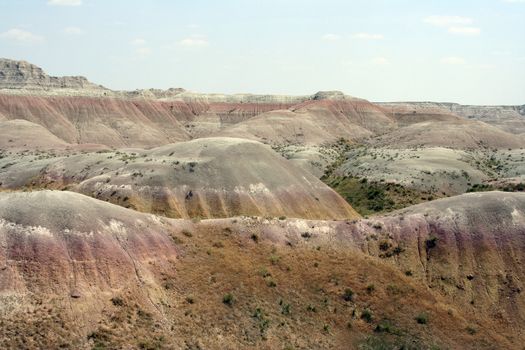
142	281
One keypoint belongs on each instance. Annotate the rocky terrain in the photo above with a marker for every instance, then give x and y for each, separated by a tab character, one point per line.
205	178
405	279
24	76
169	219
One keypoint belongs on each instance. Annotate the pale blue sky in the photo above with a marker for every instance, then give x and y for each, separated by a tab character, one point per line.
466	51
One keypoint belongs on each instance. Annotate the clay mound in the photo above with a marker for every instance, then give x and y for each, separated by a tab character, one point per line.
67	244
23	134
436	169
469	248
315	122
457	134
408	114
80	273
213	177
507	118
109	121
347	109
218	177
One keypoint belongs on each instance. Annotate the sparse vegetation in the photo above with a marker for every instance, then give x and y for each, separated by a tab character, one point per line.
422	318
117	301
372	197
348	294
431	242
187	233
367	315
228	299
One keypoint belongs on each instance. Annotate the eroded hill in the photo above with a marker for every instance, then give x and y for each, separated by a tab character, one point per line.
206	178
135	280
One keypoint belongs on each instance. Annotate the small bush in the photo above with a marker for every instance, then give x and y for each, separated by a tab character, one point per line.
274	259
384	327
422	318
285	307
228	299
471	330
384	245
431	242
348	294
271	283
264	272
367	315
117	301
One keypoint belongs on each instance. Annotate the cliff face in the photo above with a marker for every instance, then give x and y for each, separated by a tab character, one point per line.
27	76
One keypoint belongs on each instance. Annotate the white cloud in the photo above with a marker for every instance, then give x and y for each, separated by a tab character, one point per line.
380	61
331	37
194	41
138	42
467	31
65	2
501	53
486	66
456	25
447	21
21	36
368	36
143	51
73	31
453	60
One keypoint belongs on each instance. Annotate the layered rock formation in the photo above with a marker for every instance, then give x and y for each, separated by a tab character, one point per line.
316	121
24	76
508	118
443	274
211	177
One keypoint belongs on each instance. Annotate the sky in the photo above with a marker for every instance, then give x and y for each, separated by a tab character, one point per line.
464	51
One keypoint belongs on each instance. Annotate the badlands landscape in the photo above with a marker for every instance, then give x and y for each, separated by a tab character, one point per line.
169	219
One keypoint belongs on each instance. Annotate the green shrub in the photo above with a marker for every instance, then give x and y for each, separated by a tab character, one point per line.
367	315
228	299
431	242
422	318
117	301
471	330
348	294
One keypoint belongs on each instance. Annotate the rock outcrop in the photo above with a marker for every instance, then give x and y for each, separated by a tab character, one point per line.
24	76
